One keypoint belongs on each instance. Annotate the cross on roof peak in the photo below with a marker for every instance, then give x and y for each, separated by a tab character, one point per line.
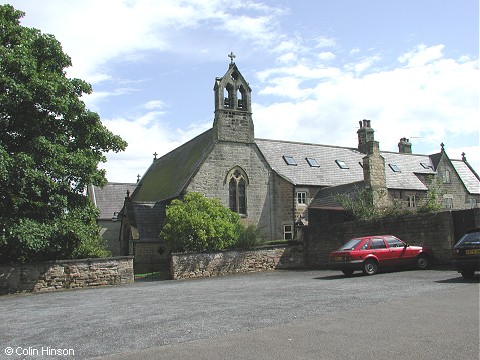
231	56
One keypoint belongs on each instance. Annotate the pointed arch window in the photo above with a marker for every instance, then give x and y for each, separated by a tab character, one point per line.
237	190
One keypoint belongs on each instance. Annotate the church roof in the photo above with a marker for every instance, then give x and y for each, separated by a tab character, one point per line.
335	165
146	219
109	199
169	175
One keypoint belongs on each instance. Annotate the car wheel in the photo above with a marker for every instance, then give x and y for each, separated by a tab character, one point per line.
347	272
468	274
370	267
422	262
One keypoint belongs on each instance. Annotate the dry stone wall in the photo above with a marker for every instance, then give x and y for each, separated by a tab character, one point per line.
66	274
197	265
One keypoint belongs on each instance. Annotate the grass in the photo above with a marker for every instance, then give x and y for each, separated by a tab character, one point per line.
153	276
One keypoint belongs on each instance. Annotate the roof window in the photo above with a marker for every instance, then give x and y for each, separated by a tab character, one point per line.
394	168
426	166
289	160
341	164
312	162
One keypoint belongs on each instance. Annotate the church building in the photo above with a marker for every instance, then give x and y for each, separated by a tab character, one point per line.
271	183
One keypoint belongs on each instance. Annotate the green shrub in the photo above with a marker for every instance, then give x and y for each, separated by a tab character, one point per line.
250	237
197	224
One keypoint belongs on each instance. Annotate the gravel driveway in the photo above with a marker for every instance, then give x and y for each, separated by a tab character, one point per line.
102	321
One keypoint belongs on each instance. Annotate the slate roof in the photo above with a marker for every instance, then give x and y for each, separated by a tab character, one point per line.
468	176
169	175
329	172
326	198
109	199
146	219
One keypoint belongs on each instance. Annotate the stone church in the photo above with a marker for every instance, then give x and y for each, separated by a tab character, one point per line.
272	183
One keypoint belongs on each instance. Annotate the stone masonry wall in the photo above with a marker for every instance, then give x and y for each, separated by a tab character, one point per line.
66	274
196	265
434	229
211	180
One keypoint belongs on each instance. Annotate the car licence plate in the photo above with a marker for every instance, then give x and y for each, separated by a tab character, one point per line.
338	258
472	251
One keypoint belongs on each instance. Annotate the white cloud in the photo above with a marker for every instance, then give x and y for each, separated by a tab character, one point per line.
326	55
421	55
429	101
145	134
95	32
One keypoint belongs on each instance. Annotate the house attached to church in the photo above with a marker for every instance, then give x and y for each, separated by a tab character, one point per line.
271	183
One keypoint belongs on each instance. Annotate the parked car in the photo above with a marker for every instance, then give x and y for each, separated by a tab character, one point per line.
369	253
466	254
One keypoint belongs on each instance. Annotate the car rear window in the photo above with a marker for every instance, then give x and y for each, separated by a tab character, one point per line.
472	238
378	244
393	242
351	244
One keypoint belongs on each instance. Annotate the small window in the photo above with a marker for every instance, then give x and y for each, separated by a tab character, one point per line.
289	160
446	177
425	165
473	203
448	202
411	201
301	197
394	167
378	244
361	164
341	164
393	242
287	232
312	162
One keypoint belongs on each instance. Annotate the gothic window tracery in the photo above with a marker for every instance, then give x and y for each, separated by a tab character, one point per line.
237	190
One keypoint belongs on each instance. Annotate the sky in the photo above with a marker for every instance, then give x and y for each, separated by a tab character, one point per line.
316	68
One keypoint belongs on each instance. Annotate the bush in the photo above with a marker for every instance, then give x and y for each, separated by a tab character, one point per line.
75	235
250	237
197	224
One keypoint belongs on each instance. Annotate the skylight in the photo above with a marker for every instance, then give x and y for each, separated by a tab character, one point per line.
289	160
312	162
425	165
341	164
394	167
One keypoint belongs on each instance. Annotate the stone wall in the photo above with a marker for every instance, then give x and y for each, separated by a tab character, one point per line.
66	274
436	230
196	265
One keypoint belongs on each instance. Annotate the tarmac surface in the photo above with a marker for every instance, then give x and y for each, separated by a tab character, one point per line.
431	314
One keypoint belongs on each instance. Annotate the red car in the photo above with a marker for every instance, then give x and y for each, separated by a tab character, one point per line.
369	253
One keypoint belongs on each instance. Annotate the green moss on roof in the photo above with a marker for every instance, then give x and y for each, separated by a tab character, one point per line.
168	176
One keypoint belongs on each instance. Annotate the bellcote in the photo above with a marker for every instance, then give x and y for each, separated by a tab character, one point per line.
233	116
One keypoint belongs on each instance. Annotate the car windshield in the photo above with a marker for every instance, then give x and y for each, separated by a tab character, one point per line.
351	244
472	238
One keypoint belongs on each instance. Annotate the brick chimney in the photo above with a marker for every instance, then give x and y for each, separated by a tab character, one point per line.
365	135
404	146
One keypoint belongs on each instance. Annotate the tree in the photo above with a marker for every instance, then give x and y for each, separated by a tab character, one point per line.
197	224
50	148
359	205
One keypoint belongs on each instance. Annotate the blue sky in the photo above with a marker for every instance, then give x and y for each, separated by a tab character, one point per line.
316	67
